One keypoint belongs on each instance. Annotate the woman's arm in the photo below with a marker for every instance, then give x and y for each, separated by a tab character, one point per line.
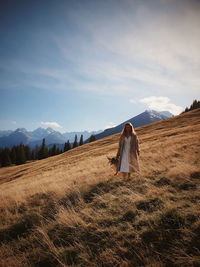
137	146
119	146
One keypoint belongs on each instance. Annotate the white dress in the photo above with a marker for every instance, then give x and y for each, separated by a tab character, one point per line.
124	167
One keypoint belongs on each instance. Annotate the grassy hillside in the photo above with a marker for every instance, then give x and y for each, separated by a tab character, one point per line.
69	210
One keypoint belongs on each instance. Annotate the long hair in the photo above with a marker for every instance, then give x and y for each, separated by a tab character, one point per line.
125	132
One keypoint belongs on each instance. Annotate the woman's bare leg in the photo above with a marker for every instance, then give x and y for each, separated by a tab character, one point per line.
124	175
129	175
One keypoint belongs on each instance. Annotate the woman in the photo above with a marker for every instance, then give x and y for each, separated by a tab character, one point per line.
128	151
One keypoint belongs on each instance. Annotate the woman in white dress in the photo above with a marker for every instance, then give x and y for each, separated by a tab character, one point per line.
128	151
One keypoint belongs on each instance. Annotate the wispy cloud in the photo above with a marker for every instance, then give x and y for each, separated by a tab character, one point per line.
147	48
51	124
161	103
132	48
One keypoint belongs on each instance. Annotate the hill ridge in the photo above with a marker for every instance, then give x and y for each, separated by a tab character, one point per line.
71	210
169	123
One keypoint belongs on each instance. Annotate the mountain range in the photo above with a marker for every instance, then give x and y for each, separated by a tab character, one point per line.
32	138
146	117
21	135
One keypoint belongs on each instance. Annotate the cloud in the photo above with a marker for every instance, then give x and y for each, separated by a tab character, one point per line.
137	47
161	103
144	47
51	124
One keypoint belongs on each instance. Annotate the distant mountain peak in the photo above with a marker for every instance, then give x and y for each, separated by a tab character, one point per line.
43	129
144	118
152	111
155	114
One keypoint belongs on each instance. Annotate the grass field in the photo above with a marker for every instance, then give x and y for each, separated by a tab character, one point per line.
69	210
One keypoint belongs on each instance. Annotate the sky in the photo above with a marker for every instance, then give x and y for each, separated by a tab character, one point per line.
91	64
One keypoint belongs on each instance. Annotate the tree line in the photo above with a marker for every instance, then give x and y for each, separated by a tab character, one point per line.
194	105
20	154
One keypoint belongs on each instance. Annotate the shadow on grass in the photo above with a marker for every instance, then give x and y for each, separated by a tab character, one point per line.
150	205
21	228
99	189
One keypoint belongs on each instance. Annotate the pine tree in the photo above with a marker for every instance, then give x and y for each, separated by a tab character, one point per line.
68	145
75	144
195	104
35	152
1	150
81	141
21	157
27	152
43	151
5	157
32	155
58	151
13	155
52	151
65	147
92	138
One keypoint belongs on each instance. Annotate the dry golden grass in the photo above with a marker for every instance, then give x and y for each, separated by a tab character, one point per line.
69	210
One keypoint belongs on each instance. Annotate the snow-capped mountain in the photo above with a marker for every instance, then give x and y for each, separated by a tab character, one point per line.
32	138
22	136
146	117
40	132
51	137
